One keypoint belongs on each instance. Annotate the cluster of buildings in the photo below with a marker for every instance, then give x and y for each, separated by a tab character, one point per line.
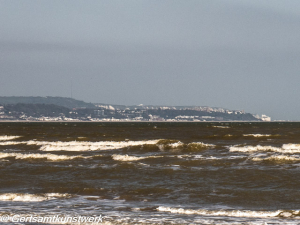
263	117
103	113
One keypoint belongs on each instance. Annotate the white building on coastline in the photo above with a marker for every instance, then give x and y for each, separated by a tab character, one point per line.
265	118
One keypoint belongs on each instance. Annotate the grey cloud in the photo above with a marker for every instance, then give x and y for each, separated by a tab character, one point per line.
153	52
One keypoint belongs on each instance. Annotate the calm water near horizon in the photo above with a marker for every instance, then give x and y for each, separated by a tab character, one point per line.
152	173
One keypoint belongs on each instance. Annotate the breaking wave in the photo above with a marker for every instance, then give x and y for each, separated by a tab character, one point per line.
5	137
198	146
131	158
257	135
161	144
3	143
91	146
164	145
51	157
80	145
169	144
31	197
231	213
277	158
286	148
291	147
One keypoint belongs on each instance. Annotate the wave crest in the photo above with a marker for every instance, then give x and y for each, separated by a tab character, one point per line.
176	145
277	158
51	157
286	148
257	135
23	197
131	158
6	138
231	213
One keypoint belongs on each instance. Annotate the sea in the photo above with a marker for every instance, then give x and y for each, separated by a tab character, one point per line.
150	172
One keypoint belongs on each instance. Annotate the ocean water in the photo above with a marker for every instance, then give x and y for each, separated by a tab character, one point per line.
152	173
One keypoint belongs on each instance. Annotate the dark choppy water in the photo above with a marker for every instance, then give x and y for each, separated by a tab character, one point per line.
152	173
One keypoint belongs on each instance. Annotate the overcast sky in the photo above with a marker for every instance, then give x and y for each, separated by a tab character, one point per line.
236	54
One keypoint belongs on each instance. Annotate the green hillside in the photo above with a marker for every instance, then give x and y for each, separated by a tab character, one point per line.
60	101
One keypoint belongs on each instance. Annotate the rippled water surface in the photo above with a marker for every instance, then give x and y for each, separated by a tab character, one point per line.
153	173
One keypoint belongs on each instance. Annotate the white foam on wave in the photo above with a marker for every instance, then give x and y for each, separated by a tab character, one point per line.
104	145
198	157
91	146
176	145
250	148
277	158
20	197
202	144
291	147
3	143
80	145
230	213
131	158
257	135
286	148
47	156
5	137
179	144
165	146
189	156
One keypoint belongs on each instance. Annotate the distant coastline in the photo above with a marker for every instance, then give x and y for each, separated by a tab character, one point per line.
60	109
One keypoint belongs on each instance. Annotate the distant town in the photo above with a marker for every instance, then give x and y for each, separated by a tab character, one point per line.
69	109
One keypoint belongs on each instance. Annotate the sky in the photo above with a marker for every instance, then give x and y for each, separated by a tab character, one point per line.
235	54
